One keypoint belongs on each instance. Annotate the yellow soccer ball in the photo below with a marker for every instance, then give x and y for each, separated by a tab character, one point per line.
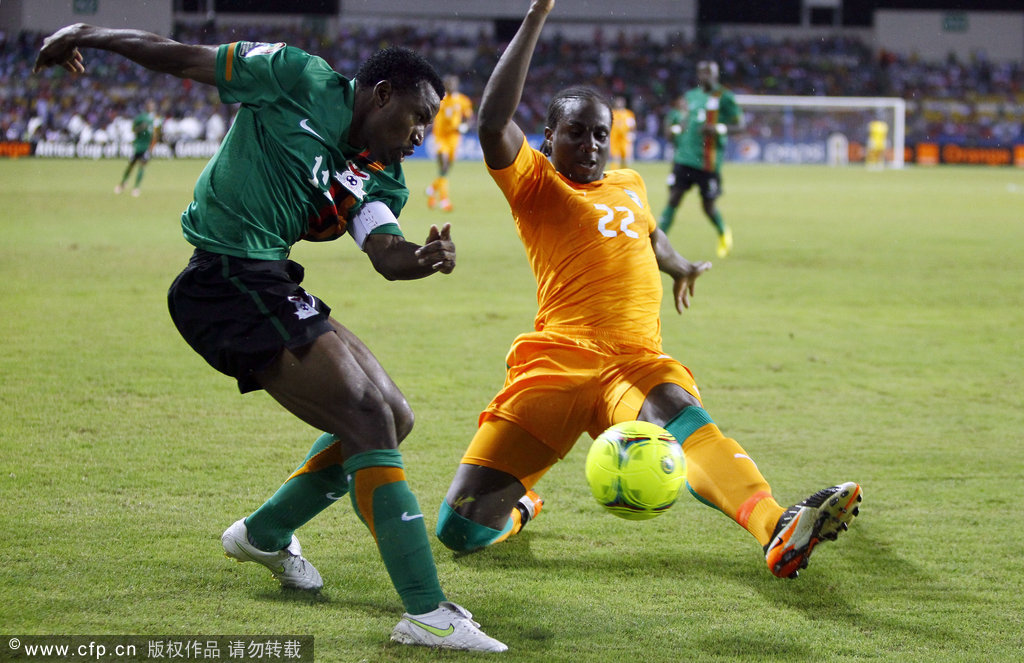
635	470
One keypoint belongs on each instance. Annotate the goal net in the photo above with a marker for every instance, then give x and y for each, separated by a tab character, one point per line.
827	130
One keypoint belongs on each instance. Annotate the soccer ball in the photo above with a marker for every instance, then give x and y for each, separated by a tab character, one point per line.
635	470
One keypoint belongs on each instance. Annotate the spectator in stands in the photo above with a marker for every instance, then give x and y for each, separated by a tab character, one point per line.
834	64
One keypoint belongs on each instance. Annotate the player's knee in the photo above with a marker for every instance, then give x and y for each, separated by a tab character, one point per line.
664	402
404	418
363	421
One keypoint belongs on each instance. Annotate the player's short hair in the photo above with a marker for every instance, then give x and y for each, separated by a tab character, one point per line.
402	67
556	107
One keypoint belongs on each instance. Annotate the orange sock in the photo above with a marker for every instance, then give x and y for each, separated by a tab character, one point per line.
719	473
367	481
441	186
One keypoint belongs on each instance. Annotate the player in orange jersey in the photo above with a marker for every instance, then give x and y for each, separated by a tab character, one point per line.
595	357
451	122
623	134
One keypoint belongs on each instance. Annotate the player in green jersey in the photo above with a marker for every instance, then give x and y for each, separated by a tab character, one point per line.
698	127
144	126
311	155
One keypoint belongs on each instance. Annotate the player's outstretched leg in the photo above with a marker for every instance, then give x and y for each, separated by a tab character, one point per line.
449	626
820	517
288	565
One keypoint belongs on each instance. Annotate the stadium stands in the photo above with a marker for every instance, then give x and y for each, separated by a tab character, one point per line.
977	102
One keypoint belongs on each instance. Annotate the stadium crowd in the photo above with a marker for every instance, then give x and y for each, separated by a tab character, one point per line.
978	101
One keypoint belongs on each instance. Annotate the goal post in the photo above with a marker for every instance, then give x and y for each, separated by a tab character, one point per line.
811	129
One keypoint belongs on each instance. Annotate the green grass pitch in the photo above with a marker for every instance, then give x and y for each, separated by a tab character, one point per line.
868	327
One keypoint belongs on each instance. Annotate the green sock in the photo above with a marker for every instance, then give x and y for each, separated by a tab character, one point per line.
716	219
382	499
315	485
138	176
682	426
668	215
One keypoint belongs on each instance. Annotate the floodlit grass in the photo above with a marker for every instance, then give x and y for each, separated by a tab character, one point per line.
867	327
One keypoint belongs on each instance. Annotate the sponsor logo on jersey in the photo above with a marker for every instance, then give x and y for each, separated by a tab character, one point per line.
304	307
304	124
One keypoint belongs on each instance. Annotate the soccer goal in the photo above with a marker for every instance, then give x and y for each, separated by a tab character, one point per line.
796	129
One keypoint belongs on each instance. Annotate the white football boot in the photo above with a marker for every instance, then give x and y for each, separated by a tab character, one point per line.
288	565
450	626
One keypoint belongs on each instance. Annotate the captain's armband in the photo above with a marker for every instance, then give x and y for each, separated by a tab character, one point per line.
371	216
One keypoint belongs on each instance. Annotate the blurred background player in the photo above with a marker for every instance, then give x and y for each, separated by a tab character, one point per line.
878	132
698	127
451	122
623	134
145	127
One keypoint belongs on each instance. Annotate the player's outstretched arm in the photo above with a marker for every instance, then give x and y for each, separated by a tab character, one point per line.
683	272
500	137
145	48
399	260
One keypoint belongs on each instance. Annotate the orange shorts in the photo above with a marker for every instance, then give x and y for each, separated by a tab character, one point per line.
447	144
565	381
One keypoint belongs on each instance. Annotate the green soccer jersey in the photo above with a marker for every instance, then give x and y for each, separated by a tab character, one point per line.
142	126
285	171
692	147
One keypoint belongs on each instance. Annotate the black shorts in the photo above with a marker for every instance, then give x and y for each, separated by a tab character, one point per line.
683	177
240	313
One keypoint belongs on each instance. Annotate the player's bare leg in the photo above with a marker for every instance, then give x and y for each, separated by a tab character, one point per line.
485	505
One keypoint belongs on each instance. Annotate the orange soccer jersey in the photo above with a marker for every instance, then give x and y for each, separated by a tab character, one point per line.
596	351
456	108
589	246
